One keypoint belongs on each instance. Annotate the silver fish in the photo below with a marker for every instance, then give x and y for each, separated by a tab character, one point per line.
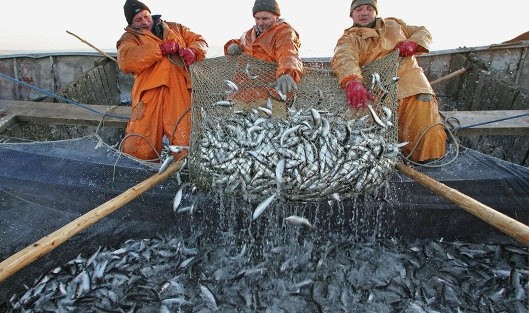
316	117
189	209
287	132
388	113
233	87
208	296
186	262
177	149
375	77
262	206
269	103
375	117
280	168
298	220
178	198
267	111
166	163
224	103
247	72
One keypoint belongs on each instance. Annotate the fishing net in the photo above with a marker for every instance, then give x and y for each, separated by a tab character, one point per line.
248	139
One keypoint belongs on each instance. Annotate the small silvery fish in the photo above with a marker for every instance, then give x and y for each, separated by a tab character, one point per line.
178	198
298	220
375	117
177	149
224	103
269	103
247	71
388	112
231	85
166	163
208	297
189	209
262	206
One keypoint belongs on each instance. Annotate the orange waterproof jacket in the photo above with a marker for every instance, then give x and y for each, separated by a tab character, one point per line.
361	45
279	44
161	94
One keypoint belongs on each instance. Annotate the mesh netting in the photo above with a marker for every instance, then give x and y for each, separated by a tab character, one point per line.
251	140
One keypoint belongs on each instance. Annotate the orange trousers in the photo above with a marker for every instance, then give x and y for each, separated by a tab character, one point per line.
159	112
416	117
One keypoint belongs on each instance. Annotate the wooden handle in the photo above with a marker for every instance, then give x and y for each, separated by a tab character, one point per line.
497	219
36	250
459	72
86	42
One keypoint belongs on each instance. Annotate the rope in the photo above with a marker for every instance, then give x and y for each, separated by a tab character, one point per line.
430	165
51	94
493	121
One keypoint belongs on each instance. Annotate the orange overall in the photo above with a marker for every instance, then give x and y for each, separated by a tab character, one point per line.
161	95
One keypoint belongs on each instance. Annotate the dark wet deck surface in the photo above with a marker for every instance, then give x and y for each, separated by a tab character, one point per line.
285	269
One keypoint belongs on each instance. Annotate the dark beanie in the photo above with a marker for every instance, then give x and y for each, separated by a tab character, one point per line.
357	3
133	7
266	5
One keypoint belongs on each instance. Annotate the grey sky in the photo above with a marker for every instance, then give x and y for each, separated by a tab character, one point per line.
42	25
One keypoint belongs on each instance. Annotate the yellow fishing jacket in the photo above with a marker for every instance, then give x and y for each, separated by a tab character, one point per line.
362	45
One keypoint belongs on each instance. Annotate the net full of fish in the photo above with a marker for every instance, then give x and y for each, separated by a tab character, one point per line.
318	151
311	155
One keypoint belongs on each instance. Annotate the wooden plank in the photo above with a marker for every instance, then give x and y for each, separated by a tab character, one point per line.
6	120
66	113
476	123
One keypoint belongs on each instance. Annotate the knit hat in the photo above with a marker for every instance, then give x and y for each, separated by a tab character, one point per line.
266	5
133	7
357	3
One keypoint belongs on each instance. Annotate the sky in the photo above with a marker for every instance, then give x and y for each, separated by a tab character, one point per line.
42	25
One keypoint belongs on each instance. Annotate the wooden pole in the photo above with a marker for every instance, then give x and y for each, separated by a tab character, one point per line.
459	72
497	219
86	42
39	248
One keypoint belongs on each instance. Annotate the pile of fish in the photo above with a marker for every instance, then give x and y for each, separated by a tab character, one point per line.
309	156
298	272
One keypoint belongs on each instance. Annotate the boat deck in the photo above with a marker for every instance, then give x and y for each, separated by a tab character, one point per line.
467	123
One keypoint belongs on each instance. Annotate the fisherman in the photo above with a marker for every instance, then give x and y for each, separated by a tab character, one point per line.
271	39
158	53
371	38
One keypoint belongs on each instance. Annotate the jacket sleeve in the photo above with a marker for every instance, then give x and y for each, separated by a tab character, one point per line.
345	62
134	56
286	49
418	34
189	39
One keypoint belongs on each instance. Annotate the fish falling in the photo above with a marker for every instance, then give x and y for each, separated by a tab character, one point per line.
310	156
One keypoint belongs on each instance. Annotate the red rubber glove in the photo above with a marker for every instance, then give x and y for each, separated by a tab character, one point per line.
407	48
357	94
188	55
169	47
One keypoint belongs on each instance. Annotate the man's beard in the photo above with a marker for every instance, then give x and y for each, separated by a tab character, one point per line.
371	25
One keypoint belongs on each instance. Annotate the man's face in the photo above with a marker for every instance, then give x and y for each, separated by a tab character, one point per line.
364	15
264	20
142	20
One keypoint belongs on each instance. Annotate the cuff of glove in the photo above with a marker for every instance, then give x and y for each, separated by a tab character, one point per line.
349	79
